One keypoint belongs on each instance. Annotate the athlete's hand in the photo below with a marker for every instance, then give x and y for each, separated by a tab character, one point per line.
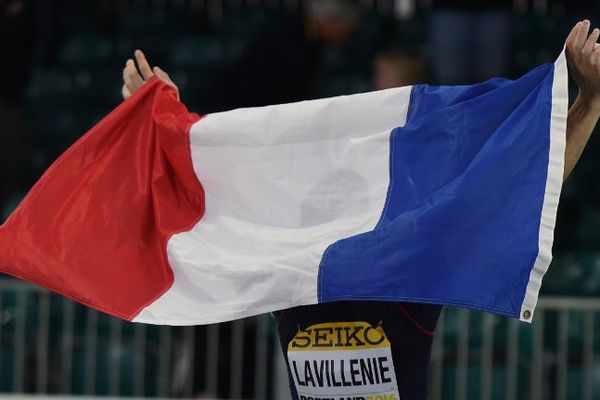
583	57
133	80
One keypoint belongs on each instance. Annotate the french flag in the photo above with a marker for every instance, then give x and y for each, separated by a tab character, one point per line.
444	195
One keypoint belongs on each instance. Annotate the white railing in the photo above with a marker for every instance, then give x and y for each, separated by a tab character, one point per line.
482	356
51	345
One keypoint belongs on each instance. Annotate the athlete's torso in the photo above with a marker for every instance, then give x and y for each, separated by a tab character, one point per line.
358	350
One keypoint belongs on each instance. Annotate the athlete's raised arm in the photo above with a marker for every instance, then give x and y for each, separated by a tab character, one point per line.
583	58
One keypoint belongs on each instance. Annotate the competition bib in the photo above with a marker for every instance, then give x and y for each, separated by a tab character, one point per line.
343	361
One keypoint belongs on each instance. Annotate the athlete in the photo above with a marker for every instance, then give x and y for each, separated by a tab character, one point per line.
381	350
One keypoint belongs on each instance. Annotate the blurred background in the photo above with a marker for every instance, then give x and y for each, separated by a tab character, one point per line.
60	66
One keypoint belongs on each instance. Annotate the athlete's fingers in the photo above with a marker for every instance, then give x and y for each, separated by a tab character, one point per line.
582	34
162	75
145	69
128	71
588	47
125	69
125	92
572	36
595	57
131	77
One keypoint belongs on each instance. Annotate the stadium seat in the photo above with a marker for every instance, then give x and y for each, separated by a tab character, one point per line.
76	83
207	52
243	21
49	83
155	20
86	49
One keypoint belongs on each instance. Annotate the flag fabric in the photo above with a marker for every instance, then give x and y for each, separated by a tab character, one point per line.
432	194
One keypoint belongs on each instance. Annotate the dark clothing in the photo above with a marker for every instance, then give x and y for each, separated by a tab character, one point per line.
280	68
342	342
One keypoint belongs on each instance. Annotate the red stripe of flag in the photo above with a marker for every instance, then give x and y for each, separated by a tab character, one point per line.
96	225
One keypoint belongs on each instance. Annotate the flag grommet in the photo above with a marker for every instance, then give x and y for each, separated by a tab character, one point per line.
526	314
